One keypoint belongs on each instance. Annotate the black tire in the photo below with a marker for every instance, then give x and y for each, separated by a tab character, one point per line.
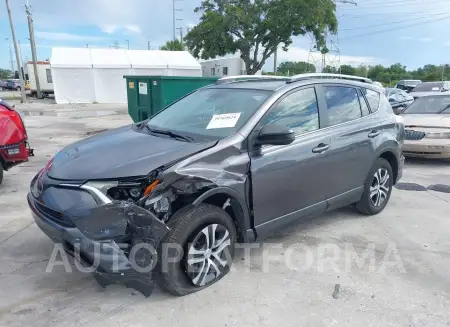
366	205
1	173
185	225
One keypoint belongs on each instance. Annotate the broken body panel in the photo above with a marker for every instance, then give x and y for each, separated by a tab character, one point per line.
105	235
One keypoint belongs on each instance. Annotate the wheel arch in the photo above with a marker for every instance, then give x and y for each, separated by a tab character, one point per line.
236	208
389	154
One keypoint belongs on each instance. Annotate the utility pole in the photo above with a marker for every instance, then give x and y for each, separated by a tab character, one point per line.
181	36
33	50
275	61
443	71
128	43
174	18
19	68
149	45
11	60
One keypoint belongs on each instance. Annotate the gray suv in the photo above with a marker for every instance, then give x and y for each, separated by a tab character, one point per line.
165	200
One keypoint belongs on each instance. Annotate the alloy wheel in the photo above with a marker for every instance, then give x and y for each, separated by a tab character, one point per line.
208	255
380	187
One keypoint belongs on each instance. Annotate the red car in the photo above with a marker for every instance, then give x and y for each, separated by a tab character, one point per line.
14	148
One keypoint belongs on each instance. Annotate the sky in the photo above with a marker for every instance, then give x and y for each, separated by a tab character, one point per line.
412	32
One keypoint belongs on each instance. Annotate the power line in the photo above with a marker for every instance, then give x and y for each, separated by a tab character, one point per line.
394	29
391	23
400	4
383	14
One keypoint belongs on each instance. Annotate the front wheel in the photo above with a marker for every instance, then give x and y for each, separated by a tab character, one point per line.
377	189
207	236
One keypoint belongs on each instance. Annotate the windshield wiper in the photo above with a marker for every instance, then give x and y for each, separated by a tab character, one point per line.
169	133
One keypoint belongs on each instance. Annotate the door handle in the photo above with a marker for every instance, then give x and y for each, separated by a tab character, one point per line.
321	148
373	134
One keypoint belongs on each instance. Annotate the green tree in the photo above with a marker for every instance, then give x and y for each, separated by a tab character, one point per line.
5	74
330	69
173	45
347	70
295	67
256	28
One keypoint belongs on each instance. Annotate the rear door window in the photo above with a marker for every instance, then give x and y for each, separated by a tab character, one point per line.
373	98
343	104
364	108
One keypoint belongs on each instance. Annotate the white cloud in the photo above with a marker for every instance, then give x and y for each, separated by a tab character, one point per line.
133	28
107	28
61	36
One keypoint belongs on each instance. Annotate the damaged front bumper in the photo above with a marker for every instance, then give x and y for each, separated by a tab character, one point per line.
118	241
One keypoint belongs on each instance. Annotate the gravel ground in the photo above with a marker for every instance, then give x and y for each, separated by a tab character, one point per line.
407	283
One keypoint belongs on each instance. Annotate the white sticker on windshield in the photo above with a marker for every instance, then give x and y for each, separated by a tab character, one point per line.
223	121
435	89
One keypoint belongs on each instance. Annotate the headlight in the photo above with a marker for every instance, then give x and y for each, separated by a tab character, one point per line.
444	135
122	191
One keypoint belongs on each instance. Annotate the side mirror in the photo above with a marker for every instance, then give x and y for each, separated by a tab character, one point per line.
275	135
391	100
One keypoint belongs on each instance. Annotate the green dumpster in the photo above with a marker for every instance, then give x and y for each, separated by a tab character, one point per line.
148	95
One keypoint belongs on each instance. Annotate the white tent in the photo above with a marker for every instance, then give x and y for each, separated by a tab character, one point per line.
109	67
83	75
73	79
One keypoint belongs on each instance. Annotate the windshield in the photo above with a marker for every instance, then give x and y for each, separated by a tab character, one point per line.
430	105
210	114
428	87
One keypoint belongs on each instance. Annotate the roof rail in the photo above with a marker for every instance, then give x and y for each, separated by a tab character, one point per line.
229	79
300	77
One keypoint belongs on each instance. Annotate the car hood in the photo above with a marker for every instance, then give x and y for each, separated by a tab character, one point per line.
122	152
434	121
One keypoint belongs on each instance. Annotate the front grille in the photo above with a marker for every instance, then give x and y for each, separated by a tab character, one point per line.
414	135
55	216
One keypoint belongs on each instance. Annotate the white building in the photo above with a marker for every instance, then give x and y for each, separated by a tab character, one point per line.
224	67
84	75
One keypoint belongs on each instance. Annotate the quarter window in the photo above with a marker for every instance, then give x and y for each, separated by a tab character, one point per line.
373	98
343	104
297	111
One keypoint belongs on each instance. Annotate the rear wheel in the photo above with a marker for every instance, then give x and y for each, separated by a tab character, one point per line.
207	235
377	189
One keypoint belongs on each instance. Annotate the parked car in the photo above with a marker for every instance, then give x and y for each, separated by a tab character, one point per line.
14	148
407	84
430	88
230	162
398	99
427	123
12	85
2	84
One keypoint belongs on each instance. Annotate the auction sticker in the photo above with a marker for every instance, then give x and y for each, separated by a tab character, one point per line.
223	121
